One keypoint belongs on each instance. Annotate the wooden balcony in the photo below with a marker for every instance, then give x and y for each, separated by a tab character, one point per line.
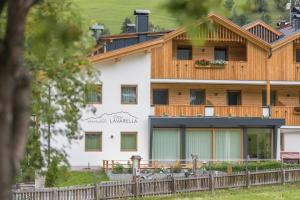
292	118
288	113
186	69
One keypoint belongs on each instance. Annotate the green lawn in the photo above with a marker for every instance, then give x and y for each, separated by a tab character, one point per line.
113	12
288	192
73	178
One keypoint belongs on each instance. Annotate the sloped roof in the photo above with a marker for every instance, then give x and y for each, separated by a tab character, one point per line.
265	25
242	31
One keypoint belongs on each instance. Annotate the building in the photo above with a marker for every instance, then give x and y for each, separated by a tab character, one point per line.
234	97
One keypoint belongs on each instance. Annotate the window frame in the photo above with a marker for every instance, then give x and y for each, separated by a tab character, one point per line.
264	92
219	49
297	48
188	47
240	98
160	89
136	94
100	138
87	92
136	141
204	96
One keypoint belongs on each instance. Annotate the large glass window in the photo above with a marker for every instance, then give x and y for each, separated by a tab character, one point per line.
160	96
129	94
221	53
93	141
184	53
197	97
228	144
166	144
273	98
199	142
129	141
94	93
234	98
260	143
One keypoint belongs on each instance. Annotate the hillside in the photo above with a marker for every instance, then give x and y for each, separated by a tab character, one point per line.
113	12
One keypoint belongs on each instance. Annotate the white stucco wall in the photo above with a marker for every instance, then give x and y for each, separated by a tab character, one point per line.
130	70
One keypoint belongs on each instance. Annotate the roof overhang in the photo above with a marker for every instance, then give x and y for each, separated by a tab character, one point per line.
217	122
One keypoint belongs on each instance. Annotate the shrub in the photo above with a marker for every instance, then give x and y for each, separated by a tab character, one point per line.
177	168
259	165
118	169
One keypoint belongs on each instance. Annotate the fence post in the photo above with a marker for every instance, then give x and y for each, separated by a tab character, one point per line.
212	182
55	194
96	189
283	176
173	185
248	178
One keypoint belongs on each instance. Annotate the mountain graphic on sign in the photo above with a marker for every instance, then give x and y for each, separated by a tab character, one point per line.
117	117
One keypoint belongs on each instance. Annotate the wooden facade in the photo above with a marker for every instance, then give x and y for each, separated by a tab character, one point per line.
248	60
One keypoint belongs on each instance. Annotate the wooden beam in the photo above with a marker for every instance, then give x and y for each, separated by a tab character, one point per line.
268	93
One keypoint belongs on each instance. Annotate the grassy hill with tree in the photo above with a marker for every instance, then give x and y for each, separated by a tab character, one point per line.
113	12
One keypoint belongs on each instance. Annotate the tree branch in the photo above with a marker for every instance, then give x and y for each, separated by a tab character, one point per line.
30	3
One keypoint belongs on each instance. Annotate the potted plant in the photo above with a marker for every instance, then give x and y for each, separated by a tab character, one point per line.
218	63
202	63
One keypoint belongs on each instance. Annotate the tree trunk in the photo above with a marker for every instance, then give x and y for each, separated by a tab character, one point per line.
14	94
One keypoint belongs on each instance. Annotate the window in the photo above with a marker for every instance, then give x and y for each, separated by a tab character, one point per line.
234	98
199	142
184	53
166	144
129	141
93	141
297	55
273	98
160	96
260	143
197	97
94	93
129	94
220	53
228	144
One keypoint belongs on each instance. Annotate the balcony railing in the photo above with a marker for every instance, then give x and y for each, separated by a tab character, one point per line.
187	69
291	116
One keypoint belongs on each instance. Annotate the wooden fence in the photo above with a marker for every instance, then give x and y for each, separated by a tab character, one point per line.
141	188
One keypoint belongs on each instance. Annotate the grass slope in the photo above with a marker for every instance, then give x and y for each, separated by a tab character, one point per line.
113	12
74	178
287	192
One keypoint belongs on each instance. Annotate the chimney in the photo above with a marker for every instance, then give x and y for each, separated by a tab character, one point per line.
130	28
142	20
296	18
97	30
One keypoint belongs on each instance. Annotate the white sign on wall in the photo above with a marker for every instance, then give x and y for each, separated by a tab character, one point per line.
113	118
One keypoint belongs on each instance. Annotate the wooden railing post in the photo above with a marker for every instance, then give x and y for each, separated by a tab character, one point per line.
96	189
211	182
135	187
248	176
173	185
283	176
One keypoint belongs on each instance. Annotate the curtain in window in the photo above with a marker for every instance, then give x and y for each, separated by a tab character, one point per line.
199	142
228	144
128	95
166	144
93	142
128	142
94	94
